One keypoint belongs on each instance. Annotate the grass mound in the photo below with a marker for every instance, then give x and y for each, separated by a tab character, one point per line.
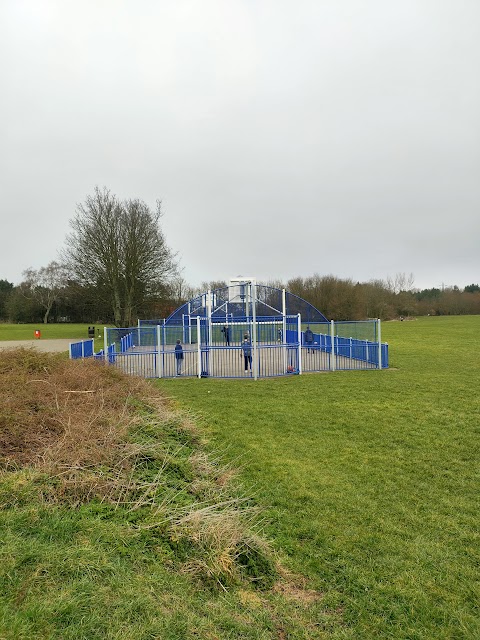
78	434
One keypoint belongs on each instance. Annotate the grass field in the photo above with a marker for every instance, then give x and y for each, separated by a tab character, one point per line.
368	483
370	480
50	332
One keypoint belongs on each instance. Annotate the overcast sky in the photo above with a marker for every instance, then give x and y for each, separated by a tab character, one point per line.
284	138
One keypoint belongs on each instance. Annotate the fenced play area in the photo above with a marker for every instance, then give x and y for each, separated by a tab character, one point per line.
244	330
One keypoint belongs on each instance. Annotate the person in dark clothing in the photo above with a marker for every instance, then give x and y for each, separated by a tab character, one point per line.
179	357
226	331
247	353
308	339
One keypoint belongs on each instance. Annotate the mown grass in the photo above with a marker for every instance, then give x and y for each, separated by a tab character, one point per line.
66	331
115	523
370	479
48	331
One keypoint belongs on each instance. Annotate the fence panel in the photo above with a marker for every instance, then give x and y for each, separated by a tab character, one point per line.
82	349
355	347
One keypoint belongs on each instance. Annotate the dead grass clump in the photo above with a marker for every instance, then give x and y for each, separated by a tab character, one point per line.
227	549
298	593
56	412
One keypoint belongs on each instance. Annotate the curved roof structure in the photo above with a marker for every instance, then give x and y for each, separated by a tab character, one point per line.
243	301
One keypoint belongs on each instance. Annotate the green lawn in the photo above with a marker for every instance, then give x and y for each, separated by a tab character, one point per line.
369	484
370	480
50	332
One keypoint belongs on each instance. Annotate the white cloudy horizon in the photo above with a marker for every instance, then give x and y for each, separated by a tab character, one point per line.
284	139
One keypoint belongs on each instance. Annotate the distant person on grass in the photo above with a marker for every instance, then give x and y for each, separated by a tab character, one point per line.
308	339
179	357
226	331
247	352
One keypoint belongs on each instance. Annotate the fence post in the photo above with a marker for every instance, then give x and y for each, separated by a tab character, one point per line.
299	330
105	345
159	370
208	337
199	348
189	324
332	340
254	329
379	343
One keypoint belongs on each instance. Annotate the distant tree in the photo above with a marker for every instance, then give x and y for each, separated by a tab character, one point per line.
21	307
179	291
472	288
400	282
428	294
6	289
82	304
44	286
212	285
336	298
377	300
119	249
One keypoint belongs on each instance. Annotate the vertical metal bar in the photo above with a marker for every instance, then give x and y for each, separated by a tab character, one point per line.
105	345
284	327
199	349
254	329
189	324
208	338
158	371
299	343
379	343
332	340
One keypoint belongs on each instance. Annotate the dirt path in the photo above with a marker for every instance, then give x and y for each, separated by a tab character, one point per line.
40	345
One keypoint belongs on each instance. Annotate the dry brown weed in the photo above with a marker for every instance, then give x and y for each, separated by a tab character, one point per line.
67	416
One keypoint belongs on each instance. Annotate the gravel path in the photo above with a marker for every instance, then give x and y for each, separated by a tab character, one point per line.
40	345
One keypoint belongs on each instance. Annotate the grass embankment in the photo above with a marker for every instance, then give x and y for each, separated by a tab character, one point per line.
371	479
115	523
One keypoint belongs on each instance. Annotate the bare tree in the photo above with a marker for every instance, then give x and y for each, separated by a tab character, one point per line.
120	249
44	286
401	282
180	291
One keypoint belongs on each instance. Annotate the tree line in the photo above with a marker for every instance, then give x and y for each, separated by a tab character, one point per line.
116	267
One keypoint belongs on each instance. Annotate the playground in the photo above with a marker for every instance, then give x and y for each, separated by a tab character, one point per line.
244	330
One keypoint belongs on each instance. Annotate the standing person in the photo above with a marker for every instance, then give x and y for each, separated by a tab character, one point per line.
226	331
247	352
308	339
179	357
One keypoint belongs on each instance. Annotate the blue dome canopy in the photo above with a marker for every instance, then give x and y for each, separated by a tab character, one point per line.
243	301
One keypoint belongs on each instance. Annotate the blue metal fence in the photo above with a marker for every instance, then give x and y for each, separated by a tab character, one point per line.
149	352
82	349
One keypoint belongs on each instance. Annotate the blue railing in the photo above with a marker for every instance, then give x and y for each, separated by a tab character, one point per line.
350	348
149	352
82	349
